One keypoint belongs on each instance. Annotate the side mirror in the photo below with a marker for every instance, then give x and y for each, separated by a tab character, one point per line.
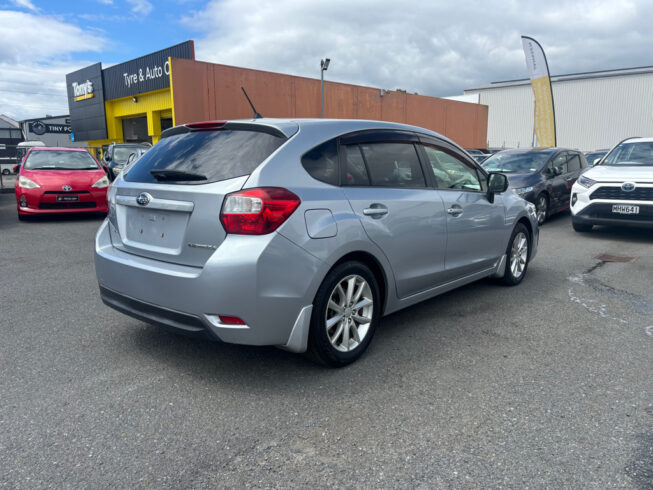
557	170
596	160
496	184
16	168
107	158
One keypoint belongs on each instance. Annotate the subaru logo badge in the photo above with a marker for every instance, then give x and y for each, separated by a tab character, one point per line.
67	188
628	187
143	199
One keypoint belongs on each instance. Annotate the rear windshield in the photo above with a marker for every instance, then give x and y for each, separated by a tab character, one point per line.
60	160
204	156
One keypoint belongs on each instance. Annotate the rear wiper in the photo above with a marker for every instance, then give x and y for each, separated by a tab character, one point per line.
178	175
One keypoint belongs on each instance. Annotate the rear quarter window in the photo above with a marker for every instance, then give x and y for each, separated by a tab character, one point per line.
215	155
322	162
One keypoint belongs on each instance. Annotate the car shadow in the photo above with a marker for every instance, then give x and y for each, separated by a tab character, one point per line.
64	217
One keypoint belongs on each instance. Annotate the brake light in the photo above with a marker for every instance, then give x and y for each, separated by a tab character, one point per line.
257	211
205	125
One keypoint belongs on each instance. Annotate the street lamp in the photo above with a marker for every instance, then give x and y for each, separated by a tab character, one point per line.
324	65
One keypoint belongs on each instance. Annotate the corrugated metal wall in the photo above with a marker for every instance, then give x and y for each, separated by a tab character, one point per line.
590	113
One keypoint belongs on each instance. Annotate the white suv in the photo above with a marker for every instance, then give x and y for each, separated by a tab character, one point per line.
618	190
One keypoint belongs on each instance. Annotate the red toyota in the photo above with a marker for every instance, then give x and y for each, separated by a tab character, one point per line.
60	180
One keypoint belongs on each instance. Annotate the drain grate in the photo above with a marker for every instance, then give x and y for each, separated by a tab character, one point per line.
614	258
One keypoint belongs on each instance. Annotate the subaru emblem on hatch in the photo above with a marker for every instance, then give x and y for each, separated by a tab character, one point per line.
628	187
67	188
143	199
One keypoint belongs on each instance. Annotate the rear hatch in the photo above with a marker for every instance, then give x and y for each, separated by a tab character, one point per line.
167	205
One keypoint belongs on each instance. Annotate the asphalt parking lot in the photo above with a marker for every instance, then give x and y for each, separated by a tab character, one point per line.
549	384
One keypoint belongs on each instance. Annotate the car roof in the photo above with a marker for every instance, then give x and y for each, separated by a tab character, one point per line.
333	127
552	149
638	140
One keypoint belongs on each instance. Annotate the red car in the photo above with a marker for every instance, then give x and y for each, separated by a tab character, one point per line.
60	180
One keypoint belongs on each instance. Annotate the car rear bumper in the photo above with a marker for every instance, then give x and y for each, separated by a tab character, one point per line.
267	281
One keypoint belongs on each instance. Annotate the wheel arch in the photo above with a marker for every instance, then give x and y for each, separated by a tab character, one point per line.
374	265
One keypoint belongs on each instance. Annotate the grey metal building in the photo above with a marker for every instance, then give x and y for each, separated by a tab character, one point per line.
593	110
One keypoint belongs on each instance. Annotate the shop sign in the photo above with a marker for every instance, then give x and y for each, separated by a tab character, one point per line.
39	128
83	91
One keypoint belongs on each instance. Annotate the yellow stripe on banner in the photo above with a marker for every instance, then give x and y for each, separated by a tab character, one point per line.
544	122
84	97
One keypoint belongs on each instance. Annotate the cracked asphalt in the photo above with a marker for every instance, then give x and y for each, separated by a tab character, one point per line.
546	385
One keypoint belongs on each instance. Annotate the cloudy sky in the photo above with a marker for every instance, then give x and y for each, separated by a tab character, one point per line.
432	47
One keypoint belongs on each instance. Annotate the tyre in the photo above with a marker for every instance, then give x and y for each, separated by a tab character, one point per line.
5	171
345	315
542	208
22	217
518	253
581	227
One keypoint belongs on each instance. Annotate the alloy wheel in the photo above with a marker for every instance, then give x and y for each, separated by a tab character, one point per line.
349	313
518	254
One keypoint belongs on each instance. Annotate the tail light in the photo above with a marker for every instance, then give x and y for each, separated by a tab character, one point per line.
257	211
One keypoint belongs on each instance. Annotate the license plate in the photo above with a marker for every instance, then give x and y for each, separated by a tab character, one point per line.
67	198
623	209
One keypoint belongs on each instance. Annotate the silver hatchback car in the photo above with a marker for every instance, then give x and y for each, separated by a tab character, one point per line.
303	233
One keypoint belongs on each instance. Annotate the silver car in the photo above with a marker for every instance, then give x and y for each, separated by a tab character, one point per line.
303	233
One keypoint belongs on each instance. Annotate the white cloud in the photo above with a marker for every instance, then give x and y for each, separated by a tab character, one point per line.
105	2
141	7
25	4
435	48
35	55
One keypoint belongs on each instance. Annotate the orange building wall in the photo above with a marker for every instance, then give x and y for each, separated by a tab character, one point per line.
206	91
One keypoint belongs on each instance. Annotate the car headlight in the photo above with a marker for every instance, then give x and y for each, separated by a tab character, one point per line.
25	183
586	181
523	190
102	183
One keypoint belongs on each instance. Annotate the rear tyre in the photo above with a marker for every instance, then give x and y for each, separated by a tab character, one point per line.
345	315
5	171
581	227
542	208
518	254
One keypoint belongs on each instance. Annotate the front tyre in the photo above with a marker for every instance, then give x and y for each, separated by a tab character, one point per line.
345	315
518	253
542	208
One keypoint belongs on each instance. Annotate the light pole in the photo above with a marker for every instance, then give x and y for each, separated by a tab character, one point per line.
324	65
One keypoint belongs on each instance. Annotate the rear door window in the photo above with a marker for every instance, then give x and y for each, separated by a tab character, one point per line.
355	170
393	165
573	164
202	157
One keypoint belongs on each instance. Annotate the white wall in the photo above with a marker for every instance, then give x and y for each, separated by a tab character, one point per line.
590	113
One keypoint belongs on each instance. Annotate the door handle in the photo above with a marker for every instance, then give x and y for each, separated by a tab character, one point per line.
455	211
375	211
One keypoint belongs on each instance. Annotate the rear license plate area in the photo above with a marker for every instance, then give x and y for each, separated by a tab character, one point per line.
147	228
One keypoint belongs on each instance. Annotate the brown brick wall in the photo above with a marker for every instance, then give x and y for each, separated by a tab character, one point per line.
206	91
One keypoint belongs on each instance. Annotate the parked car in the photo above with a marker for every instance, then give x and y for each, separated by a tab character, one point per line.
117	154
21	150
618	191
60	180
543	176
593	157
478	155
303	233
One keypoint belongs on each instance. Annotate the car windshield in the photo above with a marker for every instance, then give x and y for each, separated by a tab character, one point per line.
639	153
519	163
121	153
60	160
